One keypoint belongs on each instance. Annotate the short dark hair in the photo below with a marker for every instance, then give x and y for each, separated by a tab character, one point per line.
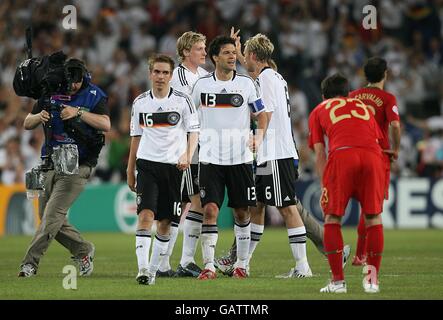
75	69
160	58
216	44
375	69
335	86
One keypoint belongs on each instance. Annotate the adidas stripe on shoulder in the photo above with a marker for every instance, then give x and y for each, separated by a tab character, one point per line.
141	96
187	98
182	76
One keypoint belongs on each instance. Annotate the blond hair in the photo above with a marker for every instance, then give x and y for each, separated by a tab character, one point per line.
186	41
273	65
261	46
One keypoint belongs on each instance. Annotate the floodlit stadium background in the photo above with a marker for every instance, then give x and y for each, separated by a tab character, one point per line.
312	39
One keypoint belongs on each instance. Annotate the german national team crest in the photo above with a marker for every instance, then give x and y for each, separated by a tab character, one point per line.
236	100
173	118
139	200
202	193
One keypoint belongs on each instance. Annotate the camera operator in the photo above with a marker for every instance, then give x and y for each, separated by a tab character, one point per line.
85	110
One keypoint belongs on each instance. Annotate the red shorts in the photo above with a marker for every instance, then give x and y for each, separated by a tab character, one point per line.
354	173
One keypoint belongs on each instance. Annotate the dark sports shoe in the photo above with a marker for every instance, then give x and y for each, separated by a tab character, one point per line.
166	274
191	270
27	270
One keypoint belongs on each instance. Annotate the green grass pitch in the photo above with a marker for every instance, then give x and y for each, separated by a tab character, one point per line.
411	269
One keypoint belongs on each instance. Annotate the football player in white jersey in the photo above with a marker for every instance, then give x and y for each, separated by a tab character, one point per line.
269	80
226	101
160	150
191	52
276	170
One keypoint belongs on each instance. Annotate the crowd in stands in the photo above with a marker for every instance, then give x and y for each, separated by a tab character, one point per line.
313	39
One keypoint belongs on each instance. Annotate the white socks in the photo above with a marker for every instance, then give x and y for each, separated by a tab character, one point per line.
243	237
159	249
142	247
164	262
209	237
297	241
192	229
256	233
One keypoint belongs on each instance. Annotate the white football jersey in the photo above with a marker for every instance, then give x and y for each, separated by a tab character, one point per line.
278	142
163	125
183	79
225	112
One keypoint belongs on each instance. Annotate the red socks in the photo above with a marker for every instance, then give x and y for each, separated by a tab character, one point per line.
333	245
361	241
375	243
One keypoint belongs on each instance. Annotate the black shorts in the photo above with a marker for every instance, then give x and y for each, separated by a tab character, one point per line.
190	187
159	189
275	182
237	179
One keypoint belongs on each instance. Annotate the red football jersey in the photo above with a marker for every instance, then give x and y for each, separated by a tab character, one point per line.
383	106
347	122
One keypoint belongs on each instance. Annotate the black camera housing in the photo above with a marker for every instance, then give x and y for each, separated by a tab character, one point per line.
53	75
37	77
48	75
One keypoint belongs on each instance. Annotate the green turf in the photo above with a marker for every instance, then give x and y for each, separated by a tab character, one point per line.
411	269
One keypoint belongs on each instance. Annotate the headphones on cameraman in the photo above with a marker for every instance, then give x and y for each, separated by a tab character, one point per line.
75	70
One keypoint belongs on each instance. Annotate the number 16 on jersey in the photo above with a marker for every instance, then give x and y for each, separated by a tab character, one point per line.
177	209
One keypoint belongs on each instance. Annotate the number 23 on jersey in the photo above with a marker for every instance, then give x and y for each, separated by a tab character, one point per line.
360	110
